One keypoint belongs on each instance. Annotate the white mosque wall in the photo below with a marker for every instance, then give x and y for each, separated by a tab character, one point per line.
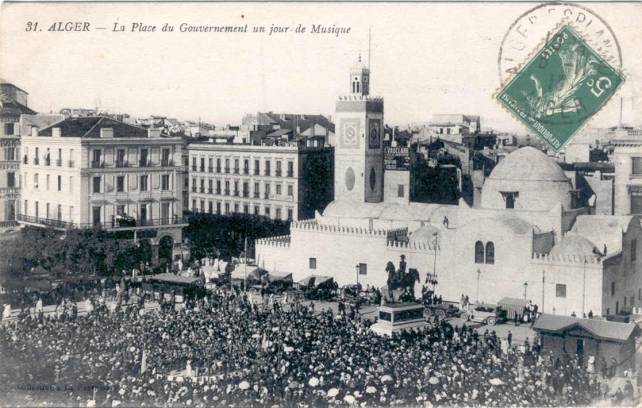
571	284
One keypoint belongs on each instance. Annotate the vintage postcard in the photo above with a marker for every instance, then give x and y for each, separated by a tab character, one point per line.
319	204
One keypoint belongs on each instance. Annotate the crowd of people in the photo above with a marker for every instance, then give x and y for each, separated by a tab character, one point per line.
232	350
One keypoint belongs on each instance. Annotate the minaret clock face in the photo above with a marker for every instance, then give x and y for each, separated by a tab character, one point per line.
350	133
374	134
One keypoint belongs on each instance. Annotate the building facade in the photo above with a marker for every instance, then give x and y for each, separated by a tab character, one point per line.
98	172
282	182
13	103
627	158
528	238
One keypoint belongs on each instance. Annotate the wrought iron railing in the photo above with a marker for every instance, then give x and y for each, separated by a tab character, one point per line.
115	224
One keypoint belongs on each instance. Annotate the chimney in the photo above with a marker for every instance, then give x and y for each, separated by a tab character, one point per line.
153	133
106	132
55	132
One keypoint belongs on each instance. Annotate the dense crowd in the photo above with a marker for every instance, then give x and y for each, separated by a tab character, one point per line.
230	350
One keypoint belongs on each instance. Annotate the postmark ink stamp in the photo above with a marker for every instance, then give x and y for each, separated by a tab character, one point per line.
560	88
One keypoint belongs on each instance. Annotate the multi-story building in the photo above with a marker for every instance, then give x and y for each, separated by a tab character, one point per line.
284	182
98	172
13	103
627	159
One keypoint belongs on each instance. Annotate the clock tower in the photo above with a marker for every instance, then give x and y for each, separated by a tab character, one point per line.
358	154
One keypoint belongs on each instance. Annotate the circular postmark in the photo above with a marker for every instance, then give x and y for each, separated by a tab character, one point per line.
558	64
535	26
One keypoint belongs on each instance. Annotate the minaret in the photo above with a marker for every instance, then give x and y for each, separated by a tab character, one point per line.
358	162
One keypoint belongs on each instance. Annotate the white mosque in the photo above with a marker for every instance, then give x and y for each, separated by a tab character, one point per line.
526	238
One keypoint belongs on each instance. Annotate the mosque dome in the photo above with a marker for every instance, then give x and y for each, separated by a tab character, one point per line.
575	245
528	164
527	179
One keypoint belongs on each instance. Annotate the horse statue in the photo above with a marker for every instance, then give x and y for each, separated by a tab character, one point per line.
401	279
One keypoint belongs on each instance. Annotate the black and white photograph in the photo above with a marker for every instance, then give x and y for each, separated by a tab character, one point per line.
320	204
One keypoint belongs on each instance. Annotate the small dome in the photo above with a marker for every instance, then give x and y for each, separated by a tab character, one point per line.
529	164
575	245
426	233
526	180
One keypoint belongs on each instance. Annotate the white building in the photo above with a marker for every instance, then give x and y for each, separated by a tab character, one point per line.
282	182
13	103
526	239
98	172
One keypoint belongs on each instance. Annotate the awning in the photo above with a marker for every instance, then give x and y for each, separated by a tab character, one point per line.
513	302
243	271
513	306
314	280
274	277
171	278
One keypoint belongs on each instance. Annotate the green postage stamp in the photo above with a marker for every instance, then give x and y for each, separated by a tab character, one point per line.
560	88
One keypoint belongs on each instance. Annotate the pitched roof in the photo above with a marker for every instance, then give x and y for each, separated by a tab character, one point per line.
89	127
41	120
600	329
10	106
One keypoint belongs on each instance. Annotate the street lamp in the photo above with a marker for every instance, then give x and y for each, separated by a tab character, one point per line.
525	289
358	270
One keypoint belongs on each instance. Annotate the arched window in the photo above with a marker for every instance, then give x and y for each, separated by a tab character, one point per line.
490	253
479	252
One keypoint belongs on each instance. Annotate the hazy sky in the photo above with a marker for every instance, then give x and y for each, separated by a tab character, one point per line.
426	58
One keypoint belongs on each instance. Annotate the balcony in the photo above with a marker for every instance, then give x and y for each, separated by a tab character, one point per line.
122	163
290	174
25	159
36	161
202	189
246	194
236	170
218	169
47	161
193	168
116	224
278	173
268	173
202	169
246	171
257	194
71	163
227	191
236	193
193	189
97	164
256	172
9	190
59	162
210	169
227	169
210	191
266	196
218	191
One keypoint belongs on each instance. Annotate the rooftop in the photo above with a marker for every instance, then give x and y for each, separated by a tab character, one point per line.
600	329
89	127
528	164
